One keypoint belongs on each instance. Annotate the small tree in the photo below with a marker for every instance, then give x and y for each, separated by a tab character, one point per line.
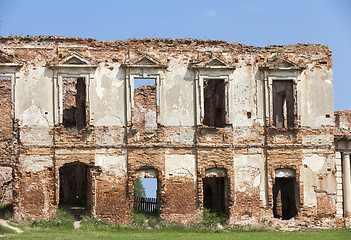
139	190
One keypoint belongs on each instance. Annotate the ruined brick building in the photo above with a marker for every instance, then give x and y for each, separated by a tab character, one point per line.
248	131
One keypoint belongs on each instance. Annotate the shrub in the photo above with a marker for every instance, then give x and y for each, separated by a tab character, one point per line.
138	218
212	218
7	211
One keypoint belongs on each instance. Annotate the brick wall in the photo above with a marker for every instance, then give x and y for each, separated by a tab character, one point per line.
178	149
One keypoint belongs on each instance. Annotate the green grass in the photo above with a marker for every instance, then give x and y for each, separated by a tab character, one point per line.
151	227
5	230
31	233
63	220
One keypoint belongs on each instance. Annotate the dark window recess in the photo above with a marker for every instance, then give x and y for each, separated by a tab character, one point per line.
74	103
284	200
214	194
283	104
214	105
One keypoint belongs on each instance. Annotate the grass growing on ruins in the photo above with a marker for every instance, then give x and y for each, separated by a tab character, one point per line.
151	227
6	211
213	218
63	220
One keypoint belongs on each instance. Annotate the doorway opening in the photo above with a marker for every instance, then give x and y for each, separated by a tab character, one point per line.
284	194
146	192
215	193
74	188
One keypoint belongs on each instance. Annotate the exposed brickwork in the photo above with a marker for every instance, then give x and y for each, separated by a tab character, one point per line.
325	206
144	112
5	108
6	149
179	199
162	130
6	185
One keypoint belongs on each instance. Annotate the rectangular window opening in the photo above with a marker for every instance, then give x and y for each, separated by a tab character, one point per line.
5	107
74	103
144	110
283	104
214	103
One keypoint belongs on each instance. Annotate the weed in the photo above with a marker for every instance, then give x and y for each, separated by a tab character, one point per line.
212	218
63	219
7	211
153	221
138	218
91	223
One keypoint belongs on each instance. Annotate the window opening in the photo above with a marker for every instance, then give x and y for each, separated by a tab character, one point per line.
74	103
214	103
73	188
146	193
144	114
284	198
5	107
214	194
283	104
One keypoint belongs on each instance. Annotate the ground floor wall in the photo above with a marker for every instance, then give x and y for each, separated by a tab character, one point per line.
245	182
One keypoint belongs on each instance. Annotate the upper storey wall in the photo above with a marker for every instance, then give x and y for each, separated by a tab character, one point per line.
179	86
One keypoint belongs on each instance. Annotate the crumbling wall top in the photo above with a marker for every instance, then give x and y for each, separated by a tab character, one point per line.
166	42
343	124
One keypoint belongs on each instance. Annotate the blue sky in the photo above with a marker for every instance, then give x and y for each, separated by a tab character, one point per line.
150	185
252	22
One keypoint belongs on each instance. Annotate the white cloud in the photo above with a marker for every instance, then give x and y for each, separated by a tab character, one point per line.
211	13
254	8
